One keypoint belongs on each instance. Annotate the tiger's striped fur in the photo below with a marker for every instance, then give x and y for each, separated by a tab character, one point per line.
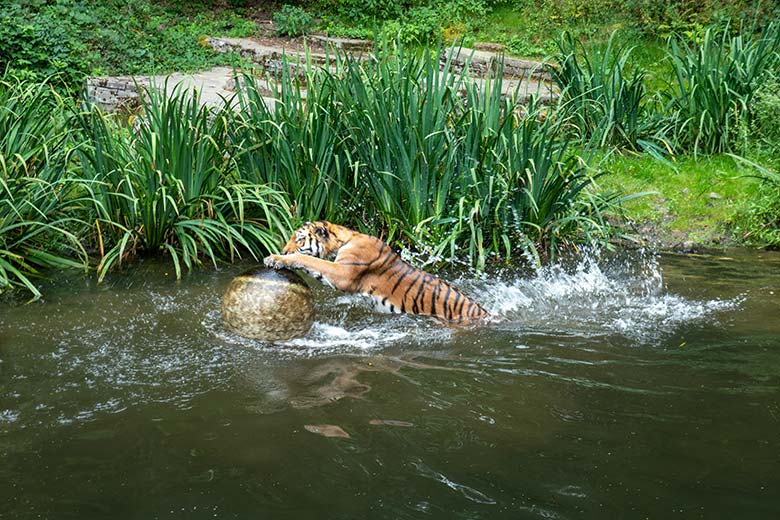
358	263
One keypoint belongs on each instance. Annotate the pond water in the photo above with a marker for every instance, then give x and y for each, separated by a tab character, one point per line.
631	387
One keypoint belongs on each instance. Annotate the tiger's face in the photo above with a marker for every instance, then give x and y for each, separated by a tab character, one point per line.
313	239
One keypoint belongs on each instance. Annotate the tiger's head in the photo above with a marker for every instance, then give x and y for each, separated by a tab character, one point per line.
314	239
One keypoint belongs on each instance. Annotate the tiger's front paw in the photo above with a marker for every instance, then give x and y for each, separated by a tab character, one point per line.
274	262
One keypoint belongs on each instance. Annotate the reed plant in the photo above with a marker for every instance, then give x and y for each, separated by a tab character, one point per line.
394	146
527	185
398	112
390	145
604	97
38	204
168	185
714	80
294	142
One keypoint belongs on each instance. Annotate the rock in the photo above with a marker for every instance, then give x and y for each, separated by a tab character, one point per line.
715	196
483	63
489	47
269	305
345	44
390	422
327	430
688	247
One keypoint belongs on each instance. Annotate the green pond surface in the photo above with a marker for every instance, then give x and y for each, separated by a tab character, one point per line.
633	387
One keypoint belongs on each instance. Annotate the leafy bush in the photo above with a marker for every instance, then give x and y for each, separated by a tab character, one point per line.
293	21
363	12
760	222
70	39
689	17
419	26
35	47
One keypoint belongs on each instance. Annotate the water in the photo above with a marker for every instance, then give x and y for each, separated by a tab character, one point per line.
633	387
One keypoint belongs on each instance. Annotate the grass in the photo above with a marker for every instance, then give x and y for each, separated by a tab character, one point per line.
694	199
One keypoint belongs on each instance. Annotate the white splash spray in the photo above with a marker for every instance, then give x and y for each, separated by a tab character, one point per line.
627	297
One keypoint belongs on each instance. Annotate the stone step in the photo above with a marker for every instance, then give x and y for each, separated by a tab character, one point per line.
343	44
264	54
481	63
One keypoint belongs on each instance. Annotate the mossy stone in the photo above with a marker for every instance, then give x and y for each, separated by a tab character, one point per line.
268	305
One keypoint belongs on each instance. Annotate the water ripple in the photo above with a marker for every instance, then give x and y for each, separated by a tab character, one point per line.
467	492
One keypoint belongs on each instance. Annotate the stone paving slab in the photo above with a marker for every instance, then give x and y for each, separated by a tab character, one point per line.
214	86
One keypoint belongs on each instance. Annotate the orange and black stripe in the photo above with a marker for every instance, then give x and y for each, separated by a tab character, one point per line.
417	292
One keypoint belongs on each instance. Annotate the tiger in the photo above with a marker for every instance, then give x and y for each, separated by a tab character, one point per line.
357	263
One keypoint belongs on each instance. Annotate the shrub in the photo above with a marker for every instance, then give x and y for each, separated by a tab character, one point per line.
364	12
760	222
69	39
35	46
293	21
421	25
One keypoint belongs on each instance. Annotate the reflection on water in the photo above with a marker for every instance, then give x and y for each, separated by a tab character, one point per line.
624	386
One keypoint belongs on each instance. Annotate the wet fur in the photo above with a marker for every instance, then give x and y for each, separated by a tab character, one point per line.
358	263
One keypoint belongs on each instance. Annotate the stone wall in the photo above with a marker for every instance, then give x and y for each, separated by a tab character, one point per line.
123	92
115	93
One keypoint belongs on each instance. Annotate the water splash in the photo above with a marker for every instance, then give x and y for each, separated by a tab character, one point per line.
596	296
592	296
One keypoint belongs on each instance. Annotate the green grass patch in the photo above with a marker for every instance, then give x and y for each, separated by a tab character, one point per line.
695	199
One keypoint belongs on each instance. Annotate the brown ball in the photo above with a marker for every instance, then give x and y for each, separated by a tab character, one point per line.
269	305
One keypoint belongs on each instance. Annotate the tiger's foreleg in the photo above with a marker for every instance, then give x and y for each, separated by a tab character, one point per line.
342	277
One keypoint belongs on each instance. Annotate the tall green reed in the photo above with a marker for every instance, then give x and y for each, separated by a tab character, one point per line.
525	186
293	141
397	112
38	218
434	158
714	79
168	184
604	97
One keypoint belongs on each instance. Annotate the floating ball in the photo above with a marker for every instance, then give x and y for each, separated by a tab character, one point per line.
268	304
